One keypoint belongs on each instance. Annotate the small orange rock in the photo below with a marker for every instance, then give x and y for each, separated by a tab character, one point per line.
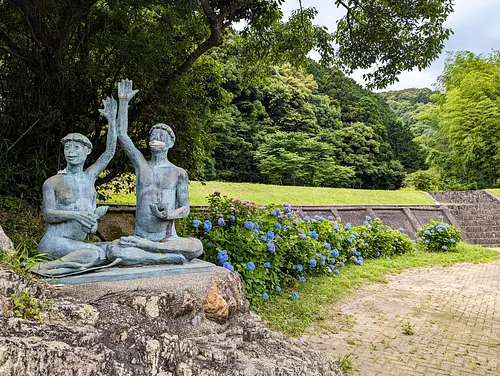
215	307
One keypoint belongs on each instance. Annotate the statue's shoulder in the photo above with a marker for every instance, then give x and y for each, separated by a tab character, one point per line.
181	172
53	180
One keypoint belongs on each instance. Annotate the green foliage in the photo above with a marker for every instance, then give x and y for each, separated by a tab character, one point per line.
297	159
273	247
408	329
26	306
346	362
437	236
424	180
463	128
22	222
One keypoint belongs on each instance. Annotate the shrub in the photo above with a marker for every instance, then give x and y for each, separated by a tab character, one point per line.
437	236
424	180
273	246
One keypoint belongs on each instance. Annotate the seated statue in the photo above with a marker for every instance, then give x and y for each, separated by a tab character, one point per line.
161	198
69	205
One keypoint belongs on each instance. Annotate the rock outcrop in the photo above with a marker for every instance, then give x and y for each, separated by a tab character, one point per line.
185	325
5	243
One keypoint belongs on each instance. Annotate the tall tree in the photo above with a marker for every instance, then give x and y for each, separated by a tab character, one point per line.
58	59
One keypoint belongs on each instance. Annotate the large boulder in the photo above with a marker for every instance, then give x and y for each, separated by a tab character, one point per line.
192	324
5	243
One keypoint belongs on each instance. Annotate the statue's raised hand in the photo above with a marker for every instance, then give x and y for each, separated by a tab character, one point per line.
125	92
110	108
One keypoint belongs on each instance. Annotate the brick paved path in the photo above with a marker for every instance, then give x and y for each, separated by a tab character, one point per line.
453	312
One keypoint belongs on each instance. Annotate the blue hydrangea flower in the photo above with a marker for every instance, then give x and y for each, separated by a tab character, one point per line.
426	242
287	209
377	254
401	229
255	231
368	218
313	234
444	248
348	226
323	259
265	296
336	271
250	266
452	241
349	240
278	288
277	226
232	218
267	265
196	223
358	253
299	268
207	226
256	225
307	218
248	225
221	222
440	230
336	227
263	238
341	264
440	217
273	213
228	266
427	232
302	236
335	252
312	262
295	295
327	246
271	247
302	279
222	257
270	235
366	245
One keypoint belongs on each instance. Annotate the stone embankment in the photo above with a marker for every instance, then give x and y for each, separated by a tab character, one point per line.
477	213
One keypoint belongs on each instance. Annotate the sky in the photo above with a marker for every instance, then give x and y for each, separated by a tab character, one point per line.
474	23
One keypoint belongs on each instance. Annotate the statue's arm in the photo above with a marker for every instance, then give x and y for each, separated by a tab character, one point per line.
182	197
125	94
101	163
52	215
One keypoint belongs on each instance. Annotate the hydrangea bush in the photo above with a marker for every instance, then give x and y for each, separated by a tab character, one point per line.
273	246
437	236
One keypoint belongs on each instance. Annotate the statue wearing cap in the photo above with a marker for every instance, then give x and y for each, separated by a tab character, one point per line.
161	198
69	205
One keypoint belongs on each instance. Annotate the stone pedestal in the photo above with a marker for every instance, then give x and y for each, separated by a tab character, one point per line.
190	324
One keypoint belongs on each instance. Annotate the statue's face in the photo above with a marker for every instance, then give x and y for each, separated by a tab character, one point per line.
160	140
75	152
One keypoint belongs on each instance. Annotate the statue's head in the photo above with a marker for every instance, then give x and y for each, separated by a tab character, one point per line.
161	137
76	148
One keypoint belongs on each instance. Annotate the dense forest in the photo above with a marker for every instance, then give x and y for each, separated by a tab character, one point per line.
310	127
245	104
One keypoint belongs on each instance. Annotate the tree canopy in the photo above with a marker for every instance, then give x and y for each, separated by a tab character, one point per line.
59	59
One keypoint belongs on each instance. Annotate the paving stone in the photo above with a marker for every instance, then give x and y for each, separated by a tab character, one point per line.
453	311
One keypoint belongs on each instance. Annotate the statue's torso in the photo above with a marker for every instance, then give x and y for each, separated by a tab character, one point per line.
156	185
72	192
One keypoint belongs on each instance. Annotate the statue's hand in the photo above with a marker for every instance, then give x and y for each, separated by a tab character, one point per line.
125	92
135	242
87	220
110	108
161	214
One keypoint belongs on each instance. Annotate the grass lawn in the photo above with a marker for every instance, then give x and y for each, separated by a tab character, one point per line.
318	294
495	191
277	194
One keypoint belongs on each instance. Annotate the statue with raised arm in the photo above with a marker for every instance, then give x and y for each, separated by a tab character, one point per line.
161	198
69	205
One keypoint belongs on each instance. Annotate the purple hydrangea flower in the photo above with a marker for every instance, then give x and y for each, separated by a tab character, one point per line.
221	221
271	247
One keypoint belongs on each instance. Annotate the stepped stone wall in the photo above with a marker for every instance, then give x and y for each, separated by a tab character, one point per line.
477	212
120	218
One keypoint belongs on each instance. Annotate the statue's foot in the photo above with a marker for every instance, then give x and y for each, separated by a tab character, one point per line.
131	256
75	261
